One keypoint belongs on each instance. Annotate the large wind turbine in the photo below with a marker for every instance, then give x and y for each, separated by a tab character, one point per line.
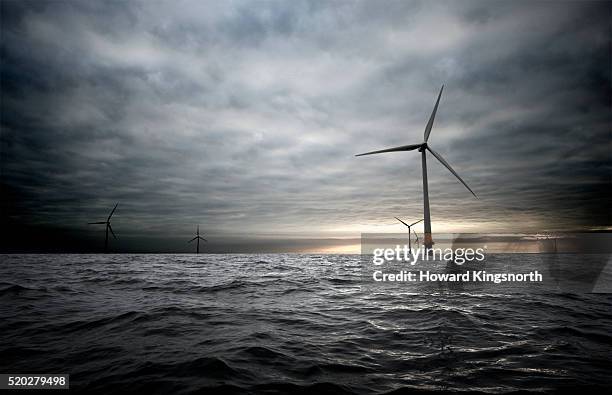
108	227
422	147
198	238
409	226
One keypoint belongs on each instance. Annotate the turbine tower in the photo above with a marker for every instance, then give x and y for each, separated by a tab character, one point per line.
423	147
198	238
409	226
108	227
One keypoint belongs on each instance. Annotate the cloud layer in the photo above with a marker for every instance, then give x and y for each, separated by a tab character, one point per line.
244	117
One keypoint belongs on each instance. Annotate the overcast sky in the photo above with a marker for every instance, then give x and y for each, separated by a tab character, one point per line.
245	117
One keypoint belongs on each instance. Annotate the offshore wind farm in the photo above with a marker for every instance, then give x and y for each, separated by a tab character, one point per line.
318	272
107	227
197	239
423	148
410	227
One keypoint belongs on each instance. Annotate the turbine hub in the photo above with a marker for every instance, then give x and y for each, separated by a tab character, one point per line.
422	147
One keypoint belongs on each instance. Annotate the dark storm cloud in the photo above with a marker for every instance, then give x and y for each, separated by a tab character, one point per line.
245	117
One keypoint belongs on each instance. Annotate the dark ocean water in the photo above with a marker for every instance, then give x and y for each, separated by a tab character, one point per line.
286	324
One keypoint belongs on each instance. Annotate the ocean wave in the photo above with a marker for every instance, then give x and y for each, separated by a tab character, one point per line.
286	324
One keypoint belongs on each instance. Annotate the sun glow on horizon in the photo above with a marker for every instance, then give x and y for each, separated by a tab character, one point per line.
339	249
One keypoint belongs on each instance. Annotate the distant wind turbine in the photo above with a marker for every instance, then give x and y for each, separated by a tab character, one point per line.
108	227
409	226
198	238
422	147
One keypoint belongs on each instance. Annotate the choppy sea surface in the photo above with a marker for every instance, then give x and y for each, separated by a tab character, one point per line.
287	323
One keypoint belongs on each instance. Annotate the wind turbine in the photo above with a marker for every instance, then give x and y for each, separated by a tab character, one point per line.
409	226
423	147
198	238
108	227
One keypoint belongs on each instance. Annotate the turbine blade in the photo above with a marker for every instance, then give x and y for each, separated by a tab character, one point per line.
402	221
201	238
111	229
412	224
111	214
445	163
394	149
417	236
96	223
431	118
192	239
